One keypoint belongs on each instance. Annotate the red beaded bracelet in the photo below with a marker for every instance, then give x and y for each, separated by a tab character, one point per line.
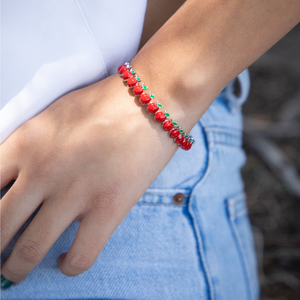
183	140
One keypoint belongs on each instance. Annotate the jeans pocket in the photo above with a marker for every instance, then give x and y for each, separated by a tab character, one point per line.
241	230
185	168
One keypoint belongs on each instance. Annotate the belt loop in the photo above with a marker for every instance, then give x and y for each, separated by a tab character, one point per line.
235	102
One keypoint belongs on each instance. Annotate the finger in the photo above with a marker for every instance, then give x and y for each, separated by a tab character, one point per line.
8	167
92	235
17	206
43	231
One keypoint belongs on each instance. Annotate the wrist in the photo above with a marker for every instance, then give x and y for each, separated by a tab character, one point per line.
125	112
184	95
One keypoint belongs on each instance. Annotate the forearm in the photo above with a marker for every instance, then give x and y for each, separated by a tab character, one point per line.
205	45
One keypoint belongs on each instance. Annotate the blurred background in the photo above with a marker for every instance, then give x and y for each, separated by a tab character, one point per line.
272	171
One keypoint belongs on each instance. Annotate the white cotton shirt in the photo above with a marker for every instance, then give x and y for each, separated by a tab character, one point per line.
49	48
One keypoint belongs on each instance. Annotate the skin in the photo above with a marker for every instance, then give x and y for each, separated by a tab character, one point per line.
92	153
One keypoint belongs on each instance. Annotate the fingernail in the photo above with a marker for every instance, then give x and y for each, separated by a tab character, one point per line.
5	283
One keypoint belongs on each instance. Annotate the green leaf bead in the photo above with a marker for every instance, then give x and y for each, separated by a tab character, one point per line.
168	115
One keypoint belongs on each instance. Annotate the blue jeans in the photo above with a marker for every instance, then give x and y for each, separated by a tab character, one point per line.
188	237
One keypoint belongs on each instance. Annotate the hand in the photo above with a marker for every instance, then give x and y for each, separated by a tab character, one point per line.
88	157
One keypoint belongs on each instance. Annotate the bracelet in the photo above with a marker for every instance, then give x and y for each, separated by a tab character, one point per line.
183	140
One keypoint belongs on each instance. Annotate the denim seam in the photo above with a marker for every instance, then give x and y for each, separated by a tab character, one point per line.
241	213
194	222
92	37
210	145
231	202
233	217
243	256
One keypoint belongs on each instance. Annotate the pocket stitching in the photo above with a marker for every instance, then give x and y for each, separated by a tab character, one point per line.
234	213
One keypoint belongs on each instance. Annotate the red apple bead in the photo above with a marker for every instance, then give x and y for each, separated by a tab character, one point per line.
131	82
160	117
179	139
183	143
168	125
122	69
152	108
138	90
188	146
145	98
174	133
126	75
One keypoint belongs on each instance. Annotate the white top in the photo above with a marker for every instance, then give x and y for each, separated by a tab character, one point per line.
52	47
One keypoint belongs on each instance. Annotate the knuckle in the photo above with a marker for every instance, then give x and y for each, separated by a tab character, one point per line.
109	203
49	164
30	250
46	165
80	263
109	197
106	203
